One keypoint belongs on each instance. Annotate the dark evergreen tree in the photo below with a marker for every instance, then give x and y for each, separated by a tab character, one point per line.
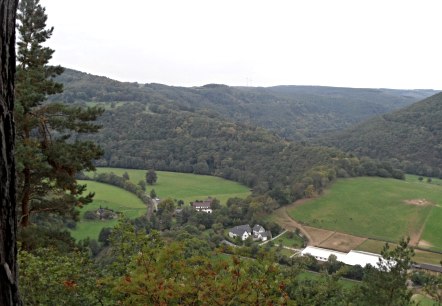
151	177
49	153
8	220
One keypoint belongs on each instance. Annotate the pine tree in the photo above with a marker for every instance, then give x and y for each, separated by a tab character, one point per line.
49	153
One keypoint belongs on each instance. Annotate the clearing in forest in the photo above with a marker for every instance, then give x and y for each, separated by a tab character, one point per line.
186	186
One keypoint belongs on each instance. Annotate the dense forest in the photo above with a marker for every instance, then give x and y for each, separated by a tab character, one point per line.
411	136
292	112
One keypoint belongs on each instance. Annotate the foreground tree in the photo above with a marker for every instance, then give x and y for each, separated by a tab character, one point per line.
49	153
387	284
8	220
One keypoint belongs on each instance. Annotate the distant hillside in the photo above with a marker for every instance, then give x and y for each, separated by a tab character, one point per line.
293	112
412	135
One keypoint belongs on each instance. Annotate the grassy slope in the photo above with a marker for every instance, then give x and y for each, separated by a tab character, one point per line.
107	196
371	207
185	186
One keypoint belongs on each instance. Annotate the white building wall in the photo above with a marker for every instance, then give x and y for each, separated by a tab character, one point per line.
351	258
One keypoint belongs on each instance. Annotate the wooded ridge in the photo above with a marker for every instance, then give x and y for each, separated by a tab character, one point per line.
292	112
412	136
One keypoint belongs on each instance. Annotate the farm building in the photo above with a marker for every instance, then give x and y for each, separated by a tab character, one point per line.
351	258
323	254
205	206
362	258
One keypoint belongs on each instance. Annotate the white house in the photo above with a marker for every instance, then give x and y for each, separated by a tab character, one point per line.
258	229
242	231
263	236
259	233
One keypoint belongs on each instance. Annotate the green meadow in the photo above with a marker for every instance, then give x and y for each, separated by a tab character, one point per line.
377	208
432	236
294	242
106	196
185	186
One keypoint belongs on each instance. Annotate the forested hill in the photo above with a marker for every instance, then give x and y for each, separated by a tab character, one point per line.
412	135
293	112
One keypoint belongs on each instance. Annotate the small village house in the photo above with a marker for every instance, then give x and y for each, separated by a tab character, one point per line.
205	206
242	231
245	231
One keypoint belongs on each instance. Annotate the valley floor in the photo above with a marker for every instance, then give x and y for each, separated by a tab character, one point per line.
341	241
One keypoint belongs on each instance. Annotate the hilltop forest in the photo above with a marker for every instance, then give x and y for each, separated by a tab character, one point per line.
411	136
292	112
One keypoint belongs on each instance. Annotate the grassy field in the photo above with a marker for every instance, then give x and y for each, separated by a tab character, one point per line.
385	209
294	242
415	179
111	197
185	186
432	236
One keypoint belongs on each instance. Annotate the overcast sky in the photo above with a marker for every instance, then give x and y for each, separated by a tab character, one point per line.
352	43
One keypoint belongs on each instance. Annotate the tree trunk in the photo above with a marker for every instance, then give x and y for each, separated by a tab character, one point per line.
26	196
8	218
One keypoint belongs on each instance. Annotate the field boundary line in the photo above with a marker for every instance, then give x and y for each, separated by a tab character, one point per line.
421	230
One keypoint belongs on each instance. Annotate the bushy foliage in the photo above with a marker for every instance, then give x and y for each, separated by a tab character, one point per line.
48	277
